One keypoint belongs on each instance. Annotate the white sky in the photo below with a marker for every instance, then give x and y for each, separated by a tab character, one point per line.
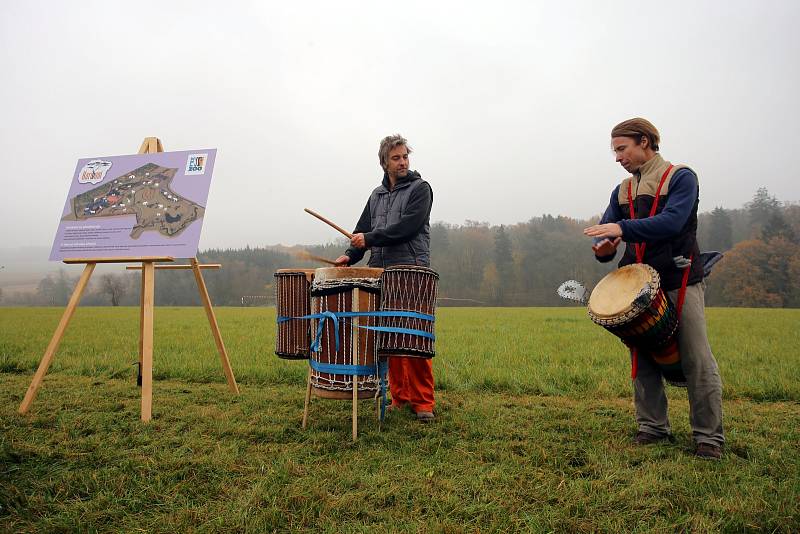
508	105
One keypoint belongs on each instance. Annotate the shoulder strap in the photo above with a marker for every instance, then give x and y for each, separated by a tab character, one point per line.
632	211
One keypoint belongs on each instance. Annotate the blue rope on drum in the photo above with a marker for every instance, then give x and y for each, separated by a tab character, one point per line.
360	370
335	316
380	370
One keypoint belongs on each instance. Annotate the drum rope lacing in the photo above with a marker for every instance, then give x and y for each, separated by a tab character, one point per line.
412	289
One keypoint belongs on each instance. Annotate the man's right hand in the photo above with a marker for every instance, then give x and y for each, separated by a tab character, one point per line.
342	261
606	247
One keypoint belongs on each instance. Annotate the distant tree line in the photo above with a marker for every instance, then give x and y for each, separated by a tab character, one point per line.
481	264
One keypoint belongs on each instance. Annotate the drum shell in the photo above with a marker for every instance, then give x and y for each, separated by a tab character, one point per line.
649	325
293	299
342	290
408	288
668	359
652	328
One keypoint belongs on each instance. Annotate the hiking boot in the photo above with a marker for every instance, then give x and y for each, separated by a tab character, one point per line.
707	451
425	417
645	438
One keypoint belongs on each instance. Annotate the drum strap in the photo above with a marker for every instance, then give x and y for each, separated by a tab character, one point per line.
639	247
343	369
682	292
380	370
678	309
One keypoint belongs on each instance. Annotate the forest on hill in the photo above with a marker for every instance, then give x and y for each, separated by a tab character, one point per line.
485	265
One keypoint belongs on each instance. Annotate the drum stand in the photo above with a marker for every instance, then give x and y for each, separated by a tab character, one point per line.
355	405
354	351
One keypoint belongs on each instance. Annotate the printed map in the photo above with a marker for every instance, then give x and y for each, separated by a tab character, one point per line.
144	192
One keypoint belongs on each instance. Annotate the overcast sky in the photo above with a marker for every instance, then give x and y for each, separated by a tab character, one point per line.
507	105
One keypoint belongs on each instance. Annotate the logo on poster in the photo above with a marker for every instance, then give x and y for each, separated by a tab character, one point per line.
196	164
94	171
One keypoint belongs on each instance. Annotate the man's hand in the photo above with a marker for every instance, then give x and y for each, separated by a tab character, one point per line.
606	247
358	241
609	230
343	260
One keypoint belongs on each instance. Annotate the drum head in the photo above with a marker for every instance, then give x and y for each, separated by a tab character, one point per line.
339	273
309	273
614	294
414	268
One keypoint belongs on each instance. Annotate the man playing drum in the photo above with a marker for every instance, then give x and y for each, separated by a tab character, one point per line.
395	227
666	241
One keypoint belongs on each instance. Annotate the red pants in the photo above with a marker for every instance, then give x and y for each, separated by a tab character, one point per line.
411	382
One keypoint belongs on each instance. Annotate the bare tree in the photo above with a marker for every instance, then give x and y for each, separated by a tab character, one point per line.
115	286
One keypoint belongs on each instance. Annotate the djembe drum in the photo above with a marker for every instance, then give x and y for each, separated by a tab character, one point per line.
409	290
345	351
630	304
292	300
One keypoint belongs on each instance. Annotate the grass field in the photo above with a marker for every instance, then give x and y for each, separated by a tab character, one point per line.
533	429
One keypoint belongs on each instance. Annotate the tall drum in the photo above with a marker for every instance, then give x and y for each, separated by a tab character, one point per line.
411	291
293	299
337	290
630	304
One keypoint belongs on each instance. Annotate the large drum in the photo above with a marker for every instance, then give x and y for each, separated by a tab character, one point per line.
293	299
410	290
630	304
337	290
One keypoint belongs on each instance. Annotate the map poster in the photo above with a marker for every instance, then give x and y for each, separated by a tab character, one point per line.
137	205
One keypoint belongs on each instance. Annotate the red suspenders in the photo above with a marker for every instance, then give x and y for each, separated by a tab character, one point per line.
639	247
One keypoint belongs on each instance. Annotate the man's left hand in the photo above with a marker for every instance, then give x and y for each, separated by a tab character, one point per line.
608	230
358	241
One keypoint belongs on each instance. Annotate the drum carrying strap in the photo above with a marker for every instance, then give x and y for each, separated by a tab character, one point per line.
639	247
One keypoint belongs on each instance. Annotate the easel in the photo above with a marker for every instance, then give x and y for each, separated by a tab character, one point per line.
148	266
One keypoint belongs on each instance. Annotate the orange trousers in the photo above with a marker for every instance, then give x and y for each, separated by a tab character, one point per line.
411	382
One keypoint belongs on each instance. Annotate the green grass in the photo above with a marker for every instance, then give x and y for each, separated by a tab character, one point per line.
547	351
534	420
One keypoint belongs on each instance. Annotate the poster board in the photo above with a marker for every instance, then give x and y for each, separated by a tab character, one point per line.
136	205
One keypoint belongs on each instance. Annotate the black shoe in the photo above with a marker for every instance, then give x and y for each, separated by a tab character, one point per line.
707	451
425	417
645	438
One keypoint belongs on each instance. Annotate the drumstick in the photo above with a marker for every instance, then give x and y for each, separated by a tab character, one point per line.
308	256
329	223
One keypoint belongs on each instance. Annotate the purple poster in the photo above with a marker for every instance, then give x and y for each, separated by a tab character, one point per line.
137	205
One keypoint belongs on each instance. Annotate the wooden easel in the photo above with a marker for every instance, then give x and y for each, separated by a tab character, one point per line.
148	267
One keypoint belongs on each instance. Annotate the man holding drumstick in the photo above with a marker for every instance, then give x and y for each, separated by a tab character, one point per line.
395	227
668	237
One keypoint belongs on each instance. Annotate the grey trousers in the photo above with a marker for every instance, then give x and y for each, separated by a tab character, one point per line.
704	384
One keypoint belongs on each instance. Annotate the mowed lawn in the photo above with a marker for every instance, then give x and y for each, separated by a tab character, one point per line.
534	421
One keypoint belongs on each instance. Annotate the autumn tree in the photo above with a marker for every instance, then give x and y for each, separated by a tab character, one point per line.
758	273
